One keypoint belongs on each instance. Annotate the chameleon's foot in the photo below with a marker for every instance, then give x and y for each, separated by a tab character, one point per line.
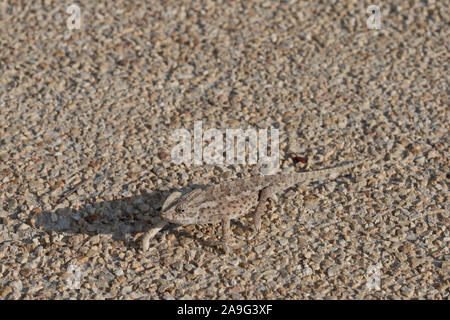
225	234
257	223
150	234
226	249
265	194
221	244
273	197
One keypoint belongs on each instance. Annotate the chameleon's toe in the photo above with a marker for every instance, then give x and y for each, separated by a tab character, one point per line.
257	224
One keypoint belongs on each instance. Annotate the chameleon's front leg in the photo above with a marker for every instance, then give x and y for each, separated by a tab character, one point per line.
151	233
225	234
264	195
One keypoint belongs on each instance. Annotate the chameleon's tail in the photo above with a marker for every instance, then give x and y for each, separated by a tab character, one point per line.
317	174
287	180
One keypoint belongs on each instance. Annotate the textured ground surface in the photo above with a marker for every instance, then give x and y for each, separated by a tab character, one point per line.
86	118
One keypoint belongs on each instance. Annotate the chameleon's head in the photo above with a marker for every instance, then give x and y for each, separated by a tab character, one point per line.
182	209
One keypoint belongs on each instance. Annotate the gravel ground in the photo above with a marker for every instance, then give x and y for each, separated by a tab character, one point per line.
86	118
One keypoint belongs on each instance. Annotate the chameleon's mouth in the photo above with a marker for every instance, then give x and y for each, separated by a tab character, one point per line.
171	217
174	218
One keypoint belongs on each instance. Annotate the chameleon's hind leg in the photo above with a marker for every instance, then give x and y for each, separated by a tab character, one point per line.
265	194
226	234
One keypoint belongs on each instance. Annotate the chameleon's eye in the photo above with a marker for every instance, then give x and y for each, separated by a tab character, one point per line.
179	210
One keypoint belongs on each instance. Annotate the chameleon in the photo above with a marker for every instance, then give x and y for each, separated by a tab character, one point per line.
224	202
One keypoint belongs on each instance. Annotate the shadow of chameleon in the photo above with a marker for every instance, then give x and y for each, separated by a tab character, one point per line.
126	219
123	217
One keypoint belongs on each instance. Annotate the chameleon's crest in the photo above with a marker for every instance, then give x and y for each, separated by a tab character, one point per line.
194	194
170	200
